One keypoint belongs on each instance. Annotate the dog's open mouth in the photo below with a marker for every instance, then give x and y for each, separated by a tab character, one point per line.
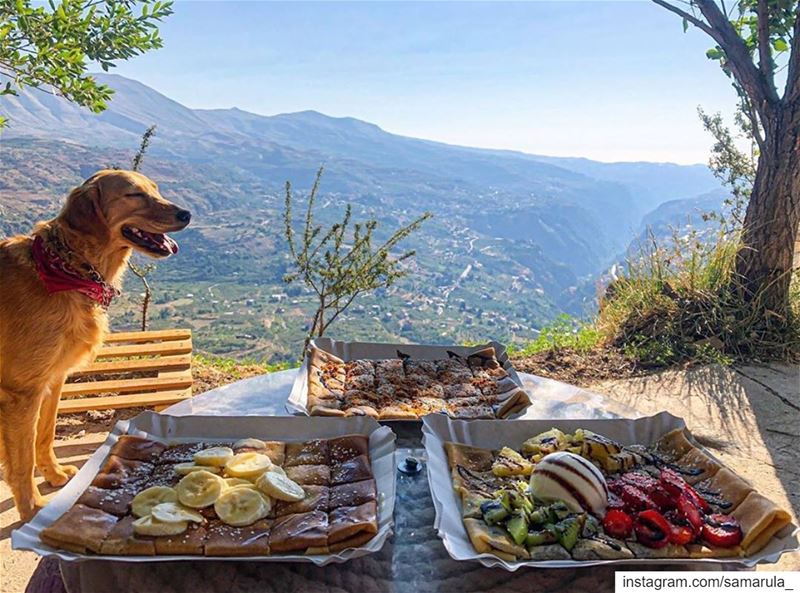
155	243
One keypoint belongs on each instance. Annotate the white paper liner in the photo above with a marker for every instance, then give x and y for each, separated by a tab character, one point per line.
186	429
347	351
438	429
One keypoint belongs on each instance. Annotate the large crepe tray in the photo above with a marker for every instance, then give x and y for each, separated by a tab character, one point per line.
438	429
347	351
187	429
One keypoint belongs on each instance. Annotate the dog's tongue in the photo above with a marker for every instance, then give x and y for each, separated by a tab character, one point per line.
170	244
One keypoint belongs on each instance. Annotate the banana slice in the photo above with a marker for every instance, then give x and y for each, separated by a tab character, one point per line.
172	512
150	526
199	489
248	465
216	456
250	444
142	503
233	482
277	469
183	469
280	487
241	506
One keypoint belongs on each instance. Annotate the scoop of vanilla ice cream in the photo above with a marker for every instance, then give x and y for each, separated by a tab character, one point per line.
573	479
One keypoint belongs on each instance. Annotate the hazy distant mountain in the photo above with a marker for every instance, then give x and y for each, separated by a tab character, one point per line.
523	230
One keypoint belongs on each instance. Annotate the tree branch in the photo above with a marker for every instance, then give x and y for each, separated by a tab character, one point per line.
792	92
689	17
765	63
737	56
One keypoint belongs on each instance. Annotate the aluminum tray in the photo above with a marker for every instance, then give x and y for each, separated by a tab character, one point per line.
187	429
438	429
298	398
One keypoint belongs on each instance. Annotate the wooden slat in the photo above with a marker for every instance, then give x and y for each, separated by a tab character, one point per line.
140	364
163	348
149	336
134	400
128	385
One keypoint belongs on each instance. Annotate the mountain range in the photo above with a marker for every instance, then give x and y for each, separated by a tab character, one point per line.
513	234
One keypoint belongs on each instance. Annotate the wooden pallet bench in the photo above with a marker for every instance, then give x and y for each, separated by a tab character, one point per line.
133	370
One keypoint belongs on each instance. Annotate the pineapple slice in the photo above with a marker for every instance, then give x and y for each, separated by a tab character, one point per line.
511	463
547	442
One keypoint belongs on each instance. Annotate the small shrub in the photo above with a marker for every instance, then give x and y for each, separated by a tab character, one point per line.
565	333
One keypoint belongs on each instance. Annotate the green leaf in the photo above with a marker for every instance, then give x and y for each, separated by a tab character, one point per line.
685	25
780	45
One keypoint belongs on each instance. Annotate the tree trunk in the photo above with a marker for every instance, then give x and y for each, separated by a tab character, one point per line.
773	215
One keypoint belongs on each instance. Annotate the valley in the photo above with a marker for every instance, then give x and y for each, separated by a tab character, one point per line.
515	239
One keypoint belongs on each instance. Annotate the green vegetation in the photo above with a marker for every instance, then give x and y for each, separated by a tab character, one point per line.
565	333
340	264
49	47
684	299
757	45
235	366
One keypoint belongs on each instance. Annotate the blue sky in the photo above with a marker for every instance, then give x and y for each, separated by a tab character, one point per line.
605	80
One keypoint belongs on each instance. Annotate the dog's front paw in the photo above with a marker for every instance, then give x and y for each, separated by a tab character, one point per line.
58	475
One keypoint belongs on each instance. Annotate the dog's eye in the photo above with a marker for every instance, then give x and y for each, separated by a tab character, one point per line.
136	194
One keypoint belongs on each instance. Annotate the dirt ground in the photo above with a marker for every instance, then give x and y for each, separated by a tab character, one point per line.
748	416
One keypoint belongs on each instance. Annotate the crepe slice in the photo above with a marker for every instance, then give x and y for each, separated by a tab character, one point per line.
122	541
299	532
727	485
315	475
696	460
471	412
352	526
512	403
491	539
190	543
701	550
329	408
352	470
137	448
116	502
354	368
362	411
347	447
316	499
318	358
668	551
480	356
308	453
226	540
117	471
549	552
352	494
606	548
79	529
395	412
486	483
320	384
673	445
760	519
180	453
472	458
471	504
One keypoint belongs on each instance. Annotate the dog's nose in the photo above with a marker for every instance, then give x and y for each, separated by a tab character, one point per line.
184	216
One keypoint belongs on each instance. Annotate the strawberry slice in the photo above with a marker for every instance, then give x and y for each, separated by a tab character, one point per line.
618	524
722	531
615	503
690	512
642	481
652	529
674	483
635	499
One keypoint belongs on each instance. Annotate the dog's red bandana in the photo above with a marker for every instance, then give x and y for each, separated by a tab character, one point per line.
58	275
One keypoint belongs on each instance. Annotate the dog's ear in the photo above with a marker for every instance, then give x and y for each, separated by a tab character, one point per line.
83	212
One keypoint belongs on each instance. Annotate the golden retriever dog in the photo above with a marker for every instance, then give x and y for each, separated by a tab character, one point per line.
55	285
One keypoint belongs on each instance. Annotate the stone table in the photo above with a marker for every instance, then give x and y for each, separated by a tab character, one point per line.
413	560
